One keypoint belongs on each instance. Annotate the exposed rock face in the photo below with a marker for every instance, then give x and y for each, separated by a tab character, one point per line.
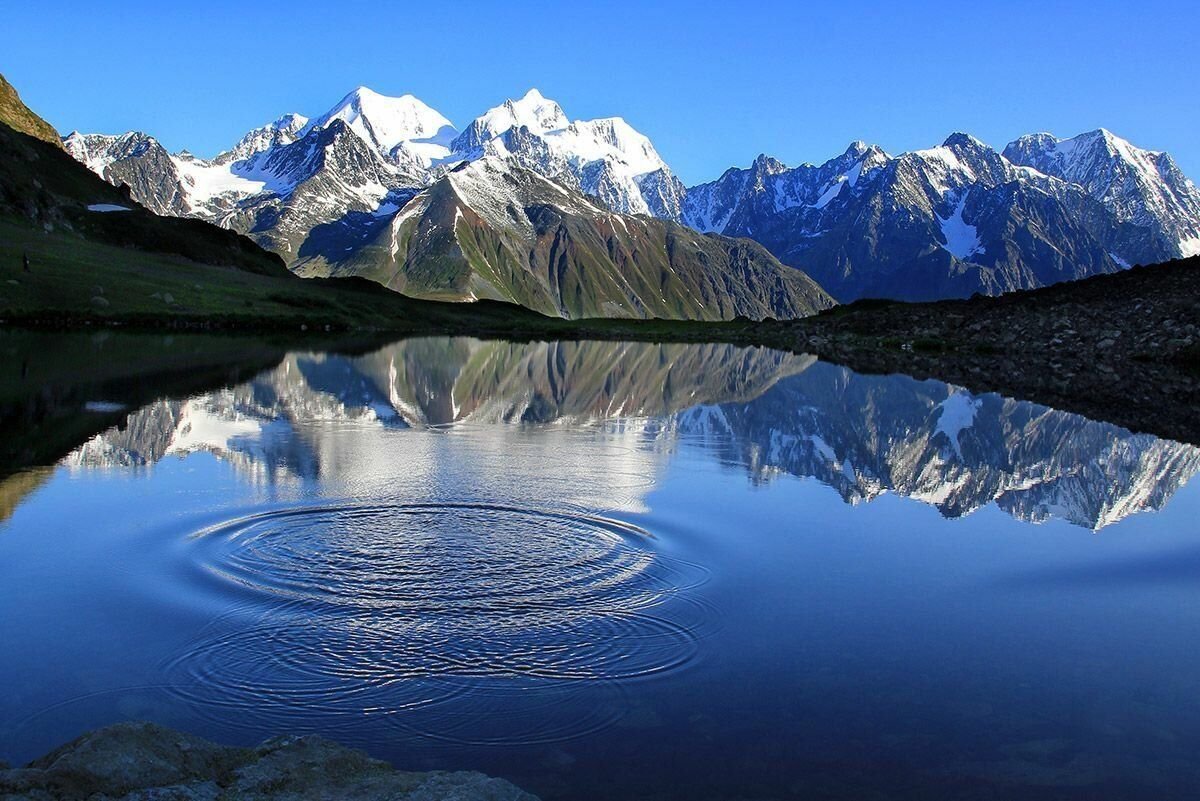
145	762
1143	188
139	162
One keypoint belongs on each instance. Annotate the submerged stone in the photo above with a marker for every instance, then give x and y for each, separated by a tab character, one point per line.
142	761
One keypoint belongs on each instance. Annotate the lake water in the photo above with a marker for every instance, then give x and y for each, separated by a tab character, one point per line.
609	571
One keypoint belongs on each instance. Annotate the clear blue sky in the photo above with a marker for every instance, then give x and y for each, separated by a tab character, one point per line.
712	85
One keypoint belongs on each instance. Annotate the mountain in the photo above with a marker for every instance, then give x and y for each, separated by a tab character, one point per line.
493	229
961	218
604	158
74	247
945	222
1142	187
402	127
414	145
135	160
16	115
328	194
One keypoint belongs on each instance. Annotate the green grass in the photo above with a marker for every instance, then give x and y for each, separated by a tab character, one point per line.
69	272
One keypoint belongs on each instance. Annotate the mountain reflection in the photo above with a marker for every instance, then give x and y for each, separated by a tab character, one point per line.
767	411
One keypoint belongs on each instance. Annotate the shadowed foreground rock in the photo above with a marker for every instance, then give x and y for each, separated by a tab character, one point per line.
145	762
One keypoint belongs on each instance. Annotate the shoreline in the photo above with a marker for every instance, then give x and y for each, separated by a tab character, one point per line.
1123	348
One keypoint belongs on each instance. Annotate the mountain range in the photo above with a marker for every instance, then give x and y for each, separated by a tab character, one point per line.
338	195
574	219
960	218
545	248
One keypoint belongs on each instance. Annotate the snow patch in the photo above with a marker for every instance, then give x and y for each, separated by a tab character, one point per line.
962	239
204	181
107	207
829	194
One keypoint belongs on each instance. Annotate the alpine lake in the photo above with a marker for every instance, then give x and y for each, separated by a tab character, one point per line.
601	570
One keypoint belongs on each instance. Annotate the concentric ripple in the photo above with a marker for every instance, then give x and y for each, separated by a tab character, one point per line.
382	609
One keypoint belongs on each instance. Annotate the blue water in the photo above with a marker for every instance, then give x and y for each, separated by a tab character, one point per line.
622	571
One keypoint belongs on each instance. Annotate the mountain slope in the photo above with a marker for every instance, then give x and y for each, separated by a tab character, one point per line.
42	186
493	229
16	115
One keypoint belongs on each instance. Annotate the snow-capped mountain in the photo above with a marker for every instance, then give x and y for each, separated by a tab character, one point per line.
959	218
282	131
140	162
948	221
605	158
1142	187
317	191
401	128
539	115
414	145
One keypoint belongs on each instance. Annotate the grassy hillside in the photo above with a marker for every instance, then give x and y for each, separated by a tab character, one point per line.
16	115
45	189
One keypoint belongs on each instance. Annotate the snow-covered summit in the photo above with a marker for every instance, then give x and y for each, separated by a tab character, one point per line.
532	111
386	122
606	158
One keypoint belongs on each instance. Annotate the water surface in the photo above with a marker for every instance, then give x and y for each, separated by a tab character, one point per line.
611	570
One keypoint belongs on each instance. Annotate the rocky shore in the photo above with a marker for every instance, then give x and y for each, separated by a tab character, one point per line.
145	762
1124	348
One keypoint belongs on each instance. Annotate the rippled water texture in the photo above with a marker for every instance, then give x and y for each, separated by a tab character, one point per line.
384	608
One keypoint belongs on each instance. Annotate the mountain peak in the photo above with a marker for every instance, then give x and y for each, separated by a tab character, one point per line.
856	148
768	165
963	140
532	111
289	122
385	121
533	96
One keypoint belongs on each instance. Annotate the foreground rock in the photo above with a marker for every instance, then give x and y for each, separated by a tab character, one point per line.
145	762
